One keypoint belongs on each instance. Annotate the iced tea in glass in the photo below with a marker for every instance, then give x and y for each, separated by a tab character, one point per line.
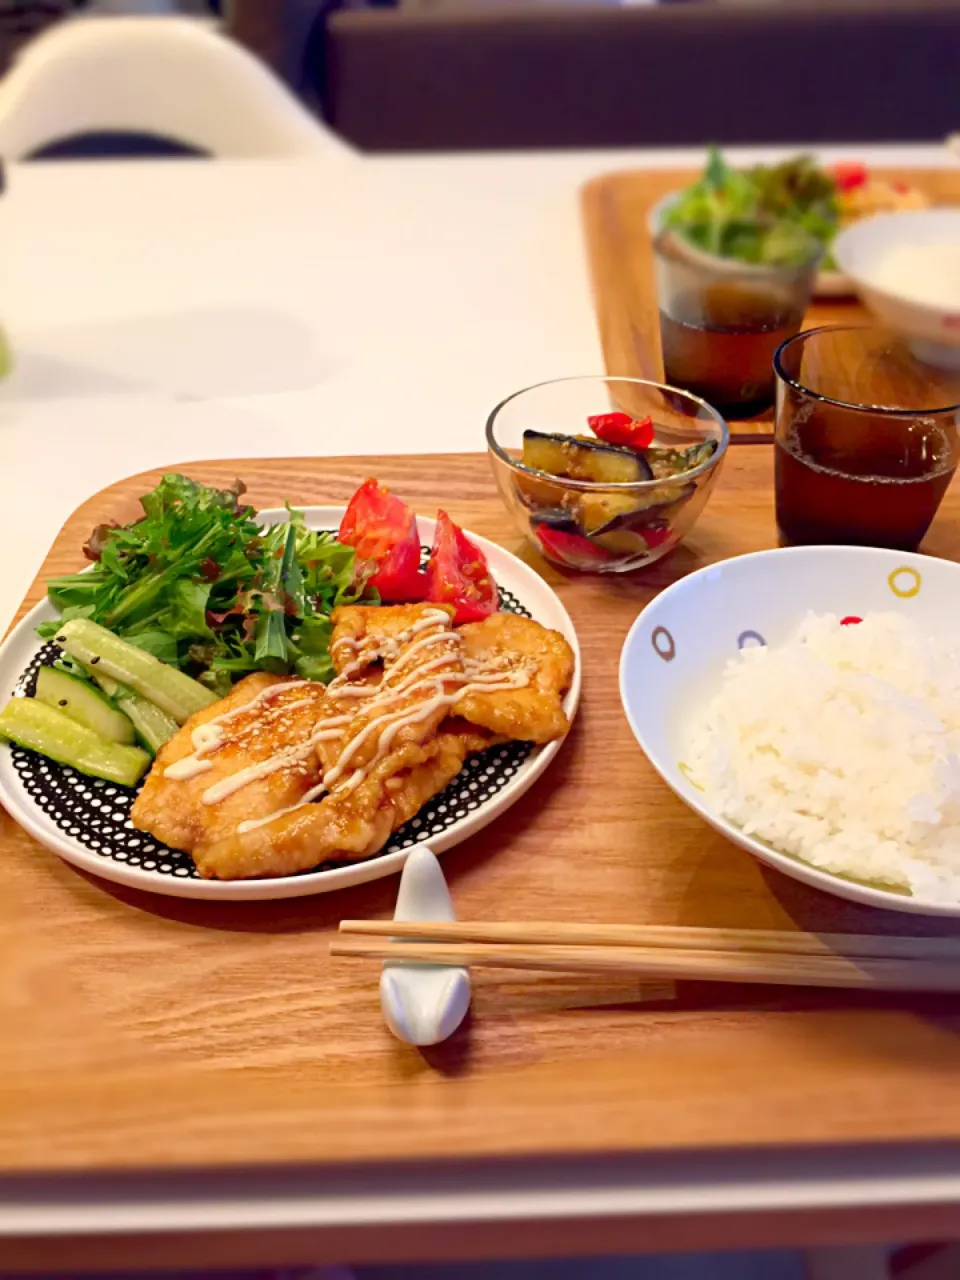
866	439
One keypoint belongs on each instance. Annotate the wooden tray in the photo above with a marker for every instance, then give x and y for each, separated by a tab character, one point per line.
615	208
144	1031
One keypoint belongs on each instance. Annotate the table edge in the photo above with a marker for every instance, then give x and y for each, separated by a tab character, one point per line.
757	1180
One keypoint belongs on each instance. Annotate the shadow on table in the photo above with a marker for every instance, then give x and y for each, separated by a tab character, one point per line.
198	354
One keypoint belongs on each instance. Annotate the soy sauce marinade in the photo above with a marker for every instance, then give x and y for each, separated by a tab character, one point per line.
872	480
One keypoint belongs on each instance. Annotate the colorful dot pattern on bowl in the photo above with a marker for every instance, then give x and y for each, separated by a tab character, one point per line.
664	645
905	583
750	640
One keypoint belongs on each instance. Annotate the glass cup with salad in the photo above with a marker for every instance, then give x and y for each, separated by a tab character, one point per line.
605	474
736	258
722	319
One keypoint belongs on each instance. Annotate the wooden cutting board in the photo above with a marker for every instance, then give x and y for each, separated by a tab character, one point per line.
142	1031
615	208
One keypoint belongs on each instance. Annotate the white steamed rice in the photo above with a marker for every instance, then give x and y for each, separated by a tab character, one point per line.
841	747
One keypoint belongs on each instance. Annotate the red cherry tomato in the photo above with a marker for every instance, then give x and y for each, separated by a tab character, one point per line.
850	620
599	421
572	549
621	429
458	575
382	529
850	176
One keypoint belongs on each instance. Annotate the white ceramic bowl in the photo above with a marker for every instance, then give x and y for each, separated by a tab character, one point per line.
932	331
829	284
674	656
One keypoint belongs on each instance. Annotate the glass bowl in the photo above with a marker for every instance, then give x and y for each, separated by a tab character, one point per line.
592	525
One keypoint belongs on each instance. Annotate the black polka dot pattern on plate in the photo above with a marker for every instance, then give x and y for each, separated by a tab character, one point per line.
96	814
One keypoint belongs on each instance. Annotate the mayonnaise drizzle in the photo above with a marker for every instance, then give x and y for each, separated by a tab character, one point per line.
264	696
273	764
397	683
386	684
188	767
404	659
207	737
397	720
252	823
394	725
390	646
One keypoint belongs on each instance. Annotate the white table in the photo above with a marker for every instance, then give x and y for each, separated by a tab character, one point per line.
168	311
162	312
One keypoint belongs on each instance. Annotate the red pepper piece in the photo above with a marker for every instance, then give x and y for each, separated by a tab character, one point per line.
599	421
572	549
655	537
850	176
850	620
621	429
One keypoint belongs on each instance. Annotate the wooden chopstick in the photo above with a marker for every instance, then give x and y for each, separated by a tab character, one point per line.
739	941
662	963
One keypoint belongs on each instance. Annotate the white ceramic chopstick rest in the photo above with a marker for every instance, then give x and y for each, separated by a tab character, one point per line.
423	1003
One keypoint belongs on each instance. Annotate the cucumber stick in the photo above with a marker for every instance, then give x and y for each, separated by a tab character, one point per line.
112	688
81	702
34	725
166	687
154	727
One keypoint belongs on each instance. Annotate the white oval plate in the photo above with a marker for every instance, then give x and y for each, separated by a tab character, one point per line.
675	653
22	646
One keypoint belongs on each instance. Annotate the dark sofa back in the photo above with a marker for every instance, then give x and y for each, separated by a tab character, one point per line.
676	74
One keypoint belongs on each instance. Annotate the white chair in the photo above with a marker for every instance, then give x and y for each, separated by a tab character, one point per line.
173	77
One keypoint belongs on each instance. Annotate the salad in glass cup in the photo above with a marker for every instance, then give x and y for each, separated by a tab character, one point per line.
762	214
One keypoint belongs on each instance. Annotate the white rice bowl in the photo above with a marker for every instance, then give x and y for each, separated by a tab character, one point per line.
874	751
842	747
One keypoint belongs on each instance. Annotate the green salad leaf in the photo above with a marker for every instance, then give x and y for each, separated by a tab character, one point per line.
200	584
763	216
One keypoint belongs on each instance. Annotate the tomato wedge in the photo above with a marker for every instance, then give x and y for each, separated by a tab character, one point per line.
621	429
382	530
458	575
